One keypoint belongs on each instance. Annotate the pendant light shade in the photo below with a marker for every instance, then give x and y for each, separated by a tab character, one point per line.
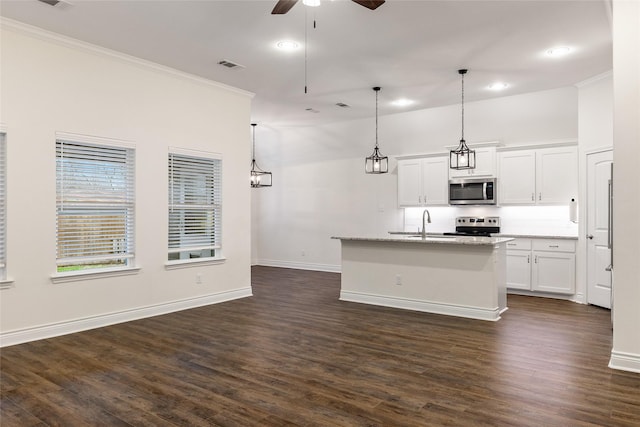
259	178
376	162
462	157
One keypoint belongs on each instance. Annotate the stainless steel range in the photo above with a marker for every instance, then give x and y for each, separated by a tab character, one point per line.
476	226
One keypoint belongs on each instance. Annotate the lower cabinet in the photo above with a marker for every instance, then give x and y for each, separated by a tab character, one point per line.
543	265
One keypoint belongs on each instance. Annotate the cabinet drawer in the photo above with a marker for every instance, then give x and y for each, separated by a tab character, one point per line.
520	244
554	245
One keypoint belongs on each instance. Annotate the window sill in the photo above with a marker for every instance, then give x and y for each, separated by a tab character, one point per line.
6	284
90	275
186	263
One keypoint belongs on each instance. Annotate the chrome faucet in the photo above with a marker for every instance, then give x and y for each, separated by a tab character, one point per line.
424	229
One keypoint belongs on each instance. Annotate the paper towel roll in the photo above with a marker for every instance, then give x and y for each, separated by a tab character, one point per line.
573	211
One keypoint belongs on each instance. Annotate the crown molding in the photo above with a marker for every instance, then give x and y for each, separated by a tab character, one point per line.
594	79
59	39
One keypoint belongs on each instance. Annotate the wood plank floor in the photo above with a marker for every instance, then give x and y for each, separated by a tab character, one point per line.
293	355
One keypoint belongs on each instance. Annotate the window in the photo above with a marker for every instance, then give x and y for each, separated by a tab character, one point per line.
3	206
195	205
95	205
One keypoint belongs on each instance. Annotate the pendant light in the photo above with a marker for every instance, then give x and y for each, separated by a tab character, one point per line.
259	178
462	157
376	162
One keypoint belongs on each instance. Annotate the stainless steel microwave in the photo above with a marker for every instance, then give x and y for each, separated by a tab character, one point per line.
473	191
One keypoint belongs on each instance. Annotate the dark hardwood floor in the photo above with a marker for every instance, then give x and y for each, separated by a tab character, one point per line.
293	355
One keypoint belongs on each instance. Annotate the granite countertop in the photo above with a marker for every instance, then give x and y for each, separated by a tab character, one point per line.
512	235
432	239
537	236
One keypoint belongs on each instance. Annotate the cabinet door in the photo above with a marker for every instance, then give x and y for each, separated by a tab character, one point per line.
517	177
485	164
554	272
434	181
519	270
557	175
409	182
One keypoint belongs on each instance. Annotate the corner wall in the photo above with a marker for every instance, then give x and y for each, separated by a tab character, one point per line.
50	83
626	193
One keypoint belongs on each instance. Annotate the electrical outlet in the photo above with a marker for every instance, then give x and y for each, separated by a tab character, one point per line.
199	279
398	279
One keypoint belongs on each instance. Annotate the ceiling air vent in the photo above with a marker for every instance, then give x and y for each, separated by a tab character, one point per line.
342	105
50	2
230	64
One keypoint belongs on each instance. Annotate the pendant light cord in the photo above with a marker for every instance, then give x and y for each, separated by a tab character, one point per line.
463	105
306	43
253	150
376	89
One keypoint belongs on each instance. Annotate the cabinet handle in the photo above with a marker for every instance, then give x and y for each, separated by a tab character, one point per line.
539	196
554	246
535	259
511	244
533	197
528	259
419	200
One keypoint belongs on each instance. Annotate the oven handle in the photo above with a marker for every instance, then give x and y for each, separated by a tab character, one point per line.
484	190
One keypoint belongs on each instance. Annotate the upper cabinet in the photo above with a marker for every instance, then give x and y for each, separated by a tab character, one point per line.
423	182
546	176
485	164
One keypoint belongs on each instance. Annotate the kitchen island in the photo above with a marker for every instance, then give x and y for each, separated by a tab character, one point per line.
453	275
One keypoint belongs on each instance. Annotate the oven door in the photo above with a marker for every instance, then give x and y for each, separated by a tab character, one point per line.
472	191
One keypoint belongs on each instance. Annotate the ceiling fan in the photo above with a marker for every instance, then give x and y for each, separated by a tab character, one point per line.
283	6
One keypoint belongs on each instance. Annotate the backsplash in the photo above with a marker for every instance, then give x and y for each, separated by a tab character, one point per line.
543	220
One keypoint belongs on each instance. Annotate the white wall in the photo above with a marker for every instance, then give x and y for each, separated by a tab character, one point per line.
626	177
51	84
320	188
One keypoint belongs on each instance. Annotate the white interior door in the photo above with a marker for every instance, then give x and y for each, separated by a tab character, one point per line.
598	253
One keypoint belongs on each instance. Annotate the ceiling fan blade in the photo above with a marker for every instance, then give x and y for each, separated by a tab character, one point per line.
370	4
283	7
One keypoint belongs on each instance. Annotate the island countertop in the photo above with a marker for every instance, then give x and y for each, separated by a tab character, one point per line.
430	239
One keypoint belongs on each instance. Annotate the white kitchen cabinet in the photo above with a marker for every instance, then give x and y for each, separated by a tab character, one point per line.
547	176
541	265
554	266
517	177
519	264
485	164
423	181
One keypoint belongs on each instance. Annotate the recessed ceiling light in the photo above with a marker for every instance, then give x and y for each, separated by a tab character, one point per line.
287	45
402	102
312	3
558	51
497	86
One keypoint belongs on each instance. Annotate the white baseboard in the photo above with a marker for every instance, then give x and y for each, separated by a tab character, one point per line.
527	293
330	268
625	361
426	306
78	325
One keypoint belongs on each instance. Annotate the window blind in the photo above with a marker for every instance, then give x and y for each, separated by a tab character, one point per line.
95	205
195	206
3	205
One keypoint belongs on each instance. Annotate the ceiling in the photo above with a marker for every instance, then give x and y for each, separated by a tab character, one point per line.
412	49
